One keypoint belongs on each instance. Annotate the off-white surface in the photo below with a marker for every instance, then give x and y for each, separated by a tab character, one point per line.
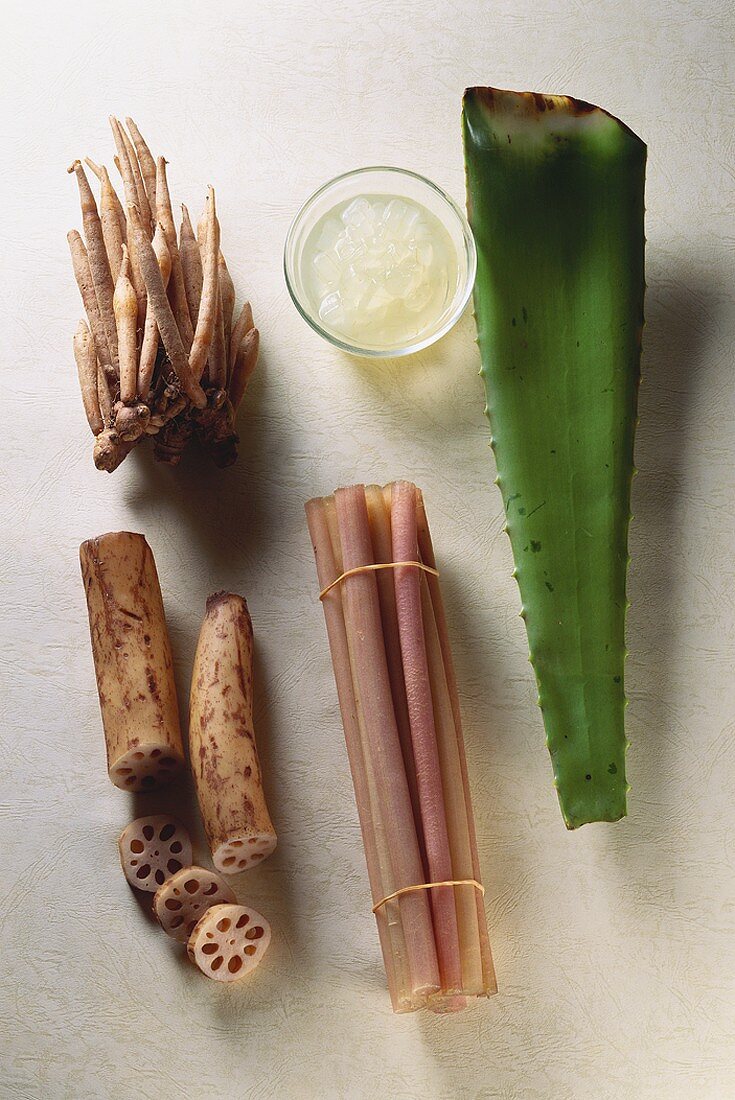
614	946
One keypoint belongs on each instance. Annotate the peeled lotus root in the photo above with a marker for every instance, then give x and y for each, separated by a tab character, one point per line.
152	849
229	941
185	897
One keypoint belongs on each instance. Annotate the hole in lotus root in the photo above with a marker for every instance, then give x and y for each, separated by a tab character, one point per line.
130	780
173	866
250	949
210	948
254	933
242	863
138	755
228	862
148	781
224	924
176	847
257	855
173	904
217	963
137	846
234	964
156	752
236	843
144	871
210	935
167	832
253	840
148	832
211	889
124	771
191	885
177	922
160	877
242	920
168	762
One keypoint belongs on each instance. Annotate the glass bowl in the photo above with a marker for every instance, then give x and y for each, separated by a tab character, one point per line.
392	182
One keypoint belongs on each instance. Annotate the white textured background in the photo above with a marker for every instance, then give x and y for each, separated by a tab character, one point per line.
614	946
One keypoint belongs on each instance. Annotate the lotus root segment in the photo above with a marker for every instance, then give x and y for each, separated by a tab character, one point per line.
229	942
132	660
152	849
224	757
185	897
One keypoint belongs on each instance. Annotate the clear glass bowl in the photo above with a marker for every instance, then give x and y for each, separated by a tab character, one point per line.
391	182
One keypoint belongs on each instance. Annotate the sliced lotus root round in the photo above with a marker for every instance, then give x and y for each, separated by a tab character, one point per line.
239	852
229	942
185	897
145	767
152	849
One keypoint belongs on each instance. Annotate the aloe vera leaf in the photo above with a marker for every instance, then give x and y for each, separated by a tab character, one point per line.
555	198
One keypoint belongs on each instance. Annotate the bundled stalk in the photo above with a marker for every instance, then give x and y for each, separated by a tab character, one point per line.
400	711
161	355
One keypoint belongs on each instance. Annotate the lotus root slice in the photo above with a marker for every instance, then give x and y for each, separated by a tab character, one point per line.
241	851
152	849
229	942
185	898
145	767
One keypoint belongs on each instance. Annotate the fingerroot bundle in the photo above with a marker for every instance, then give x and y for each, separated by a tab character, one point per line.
161	353
400	711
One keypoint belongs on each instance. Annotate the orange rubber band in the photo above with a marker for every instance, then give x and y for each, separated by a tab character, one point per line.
372	568
429	886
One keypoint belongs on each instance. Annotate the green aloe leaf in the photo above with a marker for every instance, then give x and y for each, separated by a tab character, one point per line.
555	197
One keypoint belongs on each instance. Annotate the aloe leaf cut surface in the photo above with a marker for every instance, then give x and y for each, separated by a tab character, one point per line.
555	198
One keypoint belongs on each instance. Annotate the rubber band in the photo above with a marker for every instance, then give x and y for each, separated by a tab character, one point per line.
372	568
429	886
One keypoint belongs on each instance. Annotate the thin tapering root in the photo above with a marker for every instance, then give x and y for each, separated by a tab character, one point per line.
103	393
83	276
191	264
242	326
125	305
131	174
146	161
86	360
164	215
246	361
125	168
217	362
227	298
136	277
99	266
103	176
112	218
122	162
163	314
143	204
149	348
207	318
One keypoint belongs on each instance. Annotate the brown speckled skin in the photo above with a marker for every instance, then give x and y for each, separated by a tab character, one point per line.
222	750
132	652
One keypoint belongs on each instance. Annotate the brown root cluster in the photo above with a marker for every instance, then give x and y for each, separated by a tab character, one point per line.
161	353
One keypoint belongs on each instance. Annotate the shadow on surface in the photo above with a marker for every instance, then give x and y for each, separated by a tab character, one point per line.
681	322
